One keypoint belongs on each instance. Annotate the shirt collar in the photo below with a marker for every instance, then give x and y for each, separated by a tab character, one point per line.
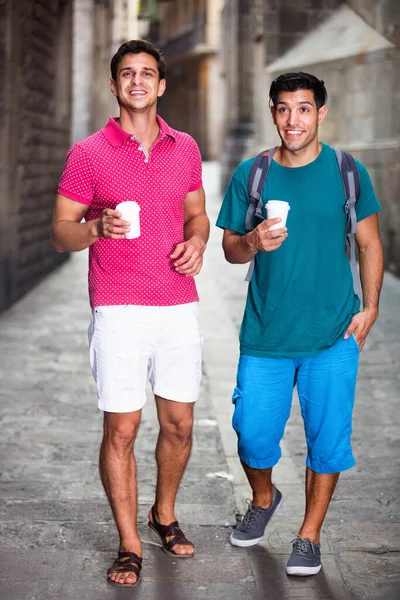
117	136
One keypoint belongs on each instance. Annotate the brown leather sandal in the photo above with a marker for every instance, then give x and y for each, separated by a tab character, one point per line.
127	562
172	530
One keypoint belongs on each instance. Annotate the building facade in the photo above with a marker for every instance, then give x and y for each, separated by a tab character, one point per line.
100	27
35	106
189	34
257	32
54	75
354	48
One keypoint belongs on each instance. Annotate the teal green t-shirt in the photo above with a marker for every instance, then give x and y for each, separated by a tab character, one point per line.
300	298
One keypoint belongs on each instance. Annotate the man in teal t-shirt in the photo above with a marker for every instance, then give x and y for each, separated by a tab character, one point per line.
302	323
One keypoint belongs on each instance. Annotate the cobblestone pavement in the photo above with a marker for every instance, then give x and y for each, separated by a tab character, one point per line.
58	536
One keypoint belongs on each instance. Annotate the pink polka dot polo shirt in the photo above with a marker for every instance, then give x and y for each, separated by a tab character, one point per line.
109	167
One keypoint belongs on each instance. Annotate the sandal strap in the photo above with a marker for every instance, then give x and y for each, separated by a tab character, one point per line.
172	530
164	530
181	540
127	562
131	555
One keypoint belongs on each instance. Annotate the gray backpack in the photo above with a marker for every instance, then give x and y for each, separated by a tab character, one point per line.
351	183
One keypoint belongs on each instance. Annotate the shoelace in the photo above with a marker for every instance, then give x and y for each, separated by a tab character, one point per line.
251	514
301	546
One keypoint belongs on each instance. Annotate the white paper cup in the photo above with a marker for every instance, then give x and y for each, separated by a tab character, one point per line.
130	212
277	208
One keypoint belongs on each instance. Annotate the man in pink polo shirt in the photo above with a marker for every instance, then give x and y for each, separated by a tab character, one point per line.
142	292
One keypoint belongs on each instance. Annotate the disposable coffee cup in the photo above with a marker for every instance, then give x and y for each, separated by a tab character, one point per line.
277	208
130	212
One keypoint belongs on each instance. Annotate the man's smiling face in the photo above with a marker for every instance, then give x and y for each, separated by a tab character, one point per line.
297	118
138	84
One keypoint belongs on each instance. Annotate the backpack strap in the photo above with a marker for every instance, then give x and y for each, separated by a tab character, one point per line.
255	184
351	184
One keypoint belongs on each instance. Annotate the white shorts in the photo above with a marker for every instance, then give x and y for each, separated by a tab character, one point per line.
130	344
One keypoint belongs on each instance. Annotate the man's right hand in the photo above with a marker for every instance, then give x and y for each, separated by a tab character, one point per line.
261	238
110	225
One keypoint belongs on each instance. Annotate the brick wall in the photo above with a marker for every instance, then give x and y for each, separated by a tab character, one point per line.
35	110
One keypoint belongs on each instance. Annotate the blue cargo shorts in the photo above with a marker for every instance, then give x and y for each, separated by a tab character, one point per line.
326	384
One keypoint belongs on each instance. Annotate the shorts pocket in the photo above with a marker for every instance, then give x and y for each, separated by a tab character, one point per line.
236	394
236	397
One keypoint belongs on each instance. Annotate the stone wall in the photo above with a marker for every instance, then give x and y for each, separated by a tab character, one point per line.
288	20
383	15
35	109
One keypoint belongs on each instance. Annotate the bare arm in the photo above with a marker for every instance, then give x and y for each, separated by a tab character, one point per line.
371	272
371	261
189	254
68	234
240	249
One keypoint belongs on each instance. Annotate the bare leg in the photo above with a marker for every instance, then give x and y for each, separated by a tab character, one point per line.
261	484
319	490
172	454
118	475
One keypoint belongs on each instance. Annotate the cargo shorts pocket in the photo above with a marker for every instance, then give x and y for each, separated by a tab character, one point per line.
237	403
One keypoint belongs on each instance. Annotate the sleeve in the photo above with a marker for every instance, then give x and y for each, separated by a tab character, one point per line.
196	181
232	214
77	180
367	203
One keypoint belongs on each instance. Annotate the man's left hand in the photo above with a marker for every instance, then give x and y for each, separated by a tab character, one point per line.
190	255
360	325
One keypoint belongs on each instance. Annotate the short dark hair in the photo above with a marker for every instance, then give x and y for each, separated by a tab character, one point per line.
291	82
137	47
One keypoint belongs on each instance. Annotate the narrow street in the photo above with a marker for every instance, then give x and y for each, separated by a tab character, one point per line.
58	536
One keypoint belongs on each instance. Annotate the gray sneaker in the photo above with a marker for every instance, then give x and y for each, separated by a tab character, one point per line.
305	558
252	527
